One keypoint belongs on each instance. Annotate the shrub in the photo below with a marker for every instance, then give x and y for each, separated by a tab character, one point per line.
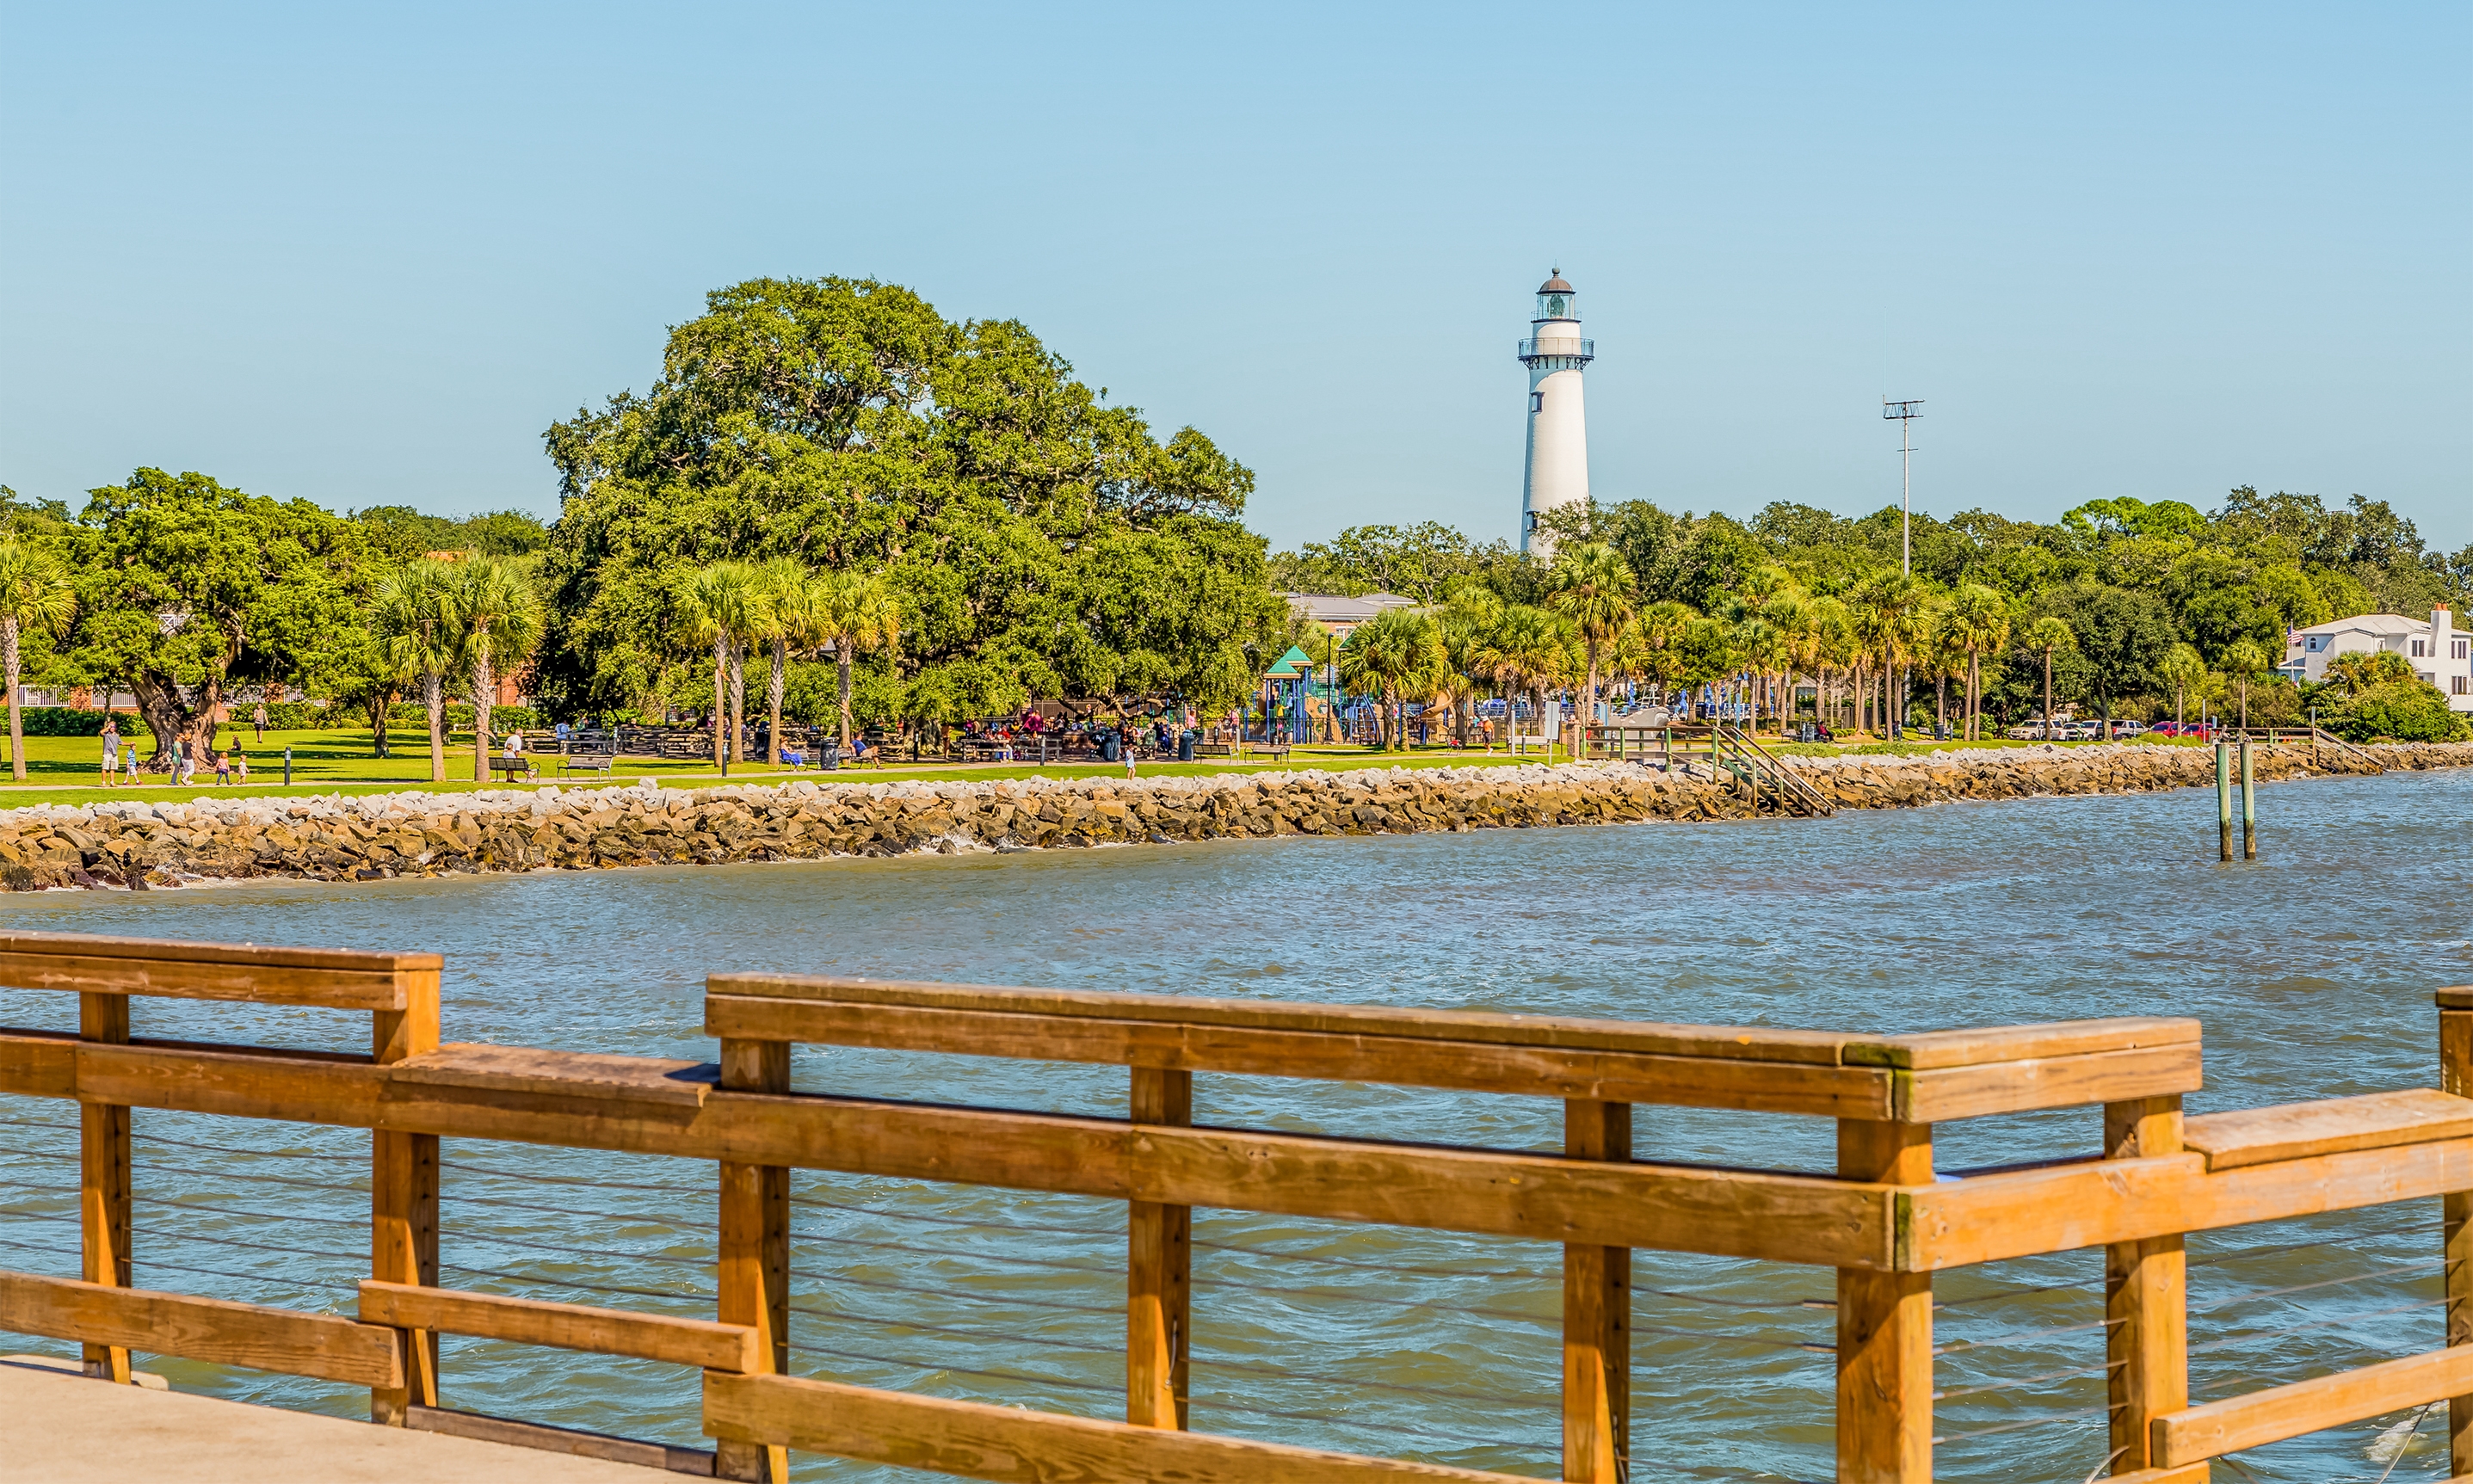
458	717
2401	710
63	721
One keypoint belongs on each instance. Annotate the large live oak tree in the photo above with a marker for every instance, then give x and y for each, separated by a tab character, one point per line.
1040	541
189	590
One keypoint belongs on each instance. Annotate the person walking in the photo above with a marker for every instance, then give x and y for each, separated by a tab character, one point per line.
110	751
257	719
128	755
184	761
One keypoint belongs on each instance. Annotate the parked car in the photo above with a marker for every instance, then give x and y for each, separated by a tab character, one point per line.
2129	728
2032	732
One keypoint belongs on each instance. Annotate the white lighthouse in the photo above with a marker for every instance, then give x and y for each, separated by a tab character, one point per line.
1558	430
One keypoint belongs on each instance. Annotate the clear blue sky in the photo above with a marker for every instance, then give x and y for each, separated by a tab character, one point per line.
365	254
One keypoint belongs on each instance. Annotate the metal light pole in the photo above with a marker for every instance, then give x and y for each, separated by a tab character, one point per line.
1904	414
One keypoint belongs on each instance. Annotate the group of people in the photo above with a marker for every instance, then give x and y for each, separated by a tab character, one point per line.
230	764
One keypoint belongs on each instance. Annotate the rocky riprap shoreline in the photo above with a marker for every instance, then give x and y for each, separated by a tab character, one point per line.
378	837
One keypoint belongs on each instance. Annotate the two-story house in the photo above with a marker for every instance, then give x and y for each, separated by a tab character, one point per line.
2441	654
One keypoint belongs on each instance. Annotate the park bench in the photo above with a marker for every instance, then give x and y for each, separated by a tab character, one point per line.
510	769
586	762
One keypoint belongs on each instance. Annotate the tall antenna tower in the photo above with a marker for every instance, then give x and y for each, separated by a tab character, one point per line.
1905	414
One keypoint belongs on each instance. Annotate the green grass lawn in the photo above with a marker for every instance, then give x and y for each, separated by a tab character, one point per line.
68	770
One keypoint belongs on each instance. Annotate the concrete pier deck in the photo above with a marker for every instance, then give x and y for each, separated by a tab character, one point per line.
60	1427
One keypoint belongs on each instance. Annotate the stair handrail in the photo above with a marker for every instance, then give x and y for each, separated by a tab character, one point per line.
1789	782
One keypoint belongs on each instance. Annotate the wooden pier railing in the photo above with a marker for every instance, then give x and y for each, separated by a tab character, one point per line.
1886	1220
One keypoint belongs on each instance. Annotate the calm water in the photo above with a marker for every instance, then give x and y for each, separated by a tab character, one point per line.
2312	969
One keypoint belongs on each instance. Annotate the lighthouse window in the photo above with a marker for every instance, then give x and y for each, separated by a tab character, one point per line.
1555	306
1536	402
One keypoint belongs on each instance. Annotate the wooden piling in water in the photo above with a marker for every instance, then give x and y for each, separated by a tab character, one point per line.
2223	799
2249	805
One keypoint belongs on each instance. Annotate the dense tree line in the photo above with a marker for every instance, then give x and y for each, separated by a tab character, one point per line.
2122	608
902	518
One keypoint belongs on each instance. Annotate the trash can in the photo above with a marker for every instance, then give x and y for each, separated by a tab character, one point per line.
1110	749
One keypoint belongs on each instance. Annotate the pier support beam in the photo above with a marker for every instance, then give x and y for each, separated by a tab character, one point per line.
404	1203
2147	1301
755	1268
103	1180
1884	1326
1158	1272
2456	1075
1597	1317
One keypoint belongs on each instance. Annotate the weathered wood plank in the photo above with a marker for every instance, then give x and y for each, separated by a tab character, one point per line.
1947	1094
172	1324
337	978
1736	1043
575	1444
1985	1218
682	1342
1932	1049
1158	1272
561	1073
2146	1296
2297	1130
1728	1213
38	1064
1009	1446
2263	1416
2456	997
1884	1326
1589	1073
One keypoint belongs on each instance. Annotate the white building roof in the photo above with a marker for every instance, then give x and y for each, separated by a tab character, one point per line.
2372	623
1325	608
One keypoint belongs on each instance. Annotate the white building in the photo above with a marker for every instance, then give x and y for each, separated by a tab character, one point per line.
1342	614
1558	432
2441	654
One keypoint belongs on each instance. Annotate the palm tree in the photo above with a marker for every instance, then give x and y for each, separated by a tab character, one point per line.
2047	634
721	602
1591	587
34	593
1660	626
2181	669
409	613
1892	621
794	622
1764	653
2362	669
1528	651
1979	620
855	611
497	619
2245	659
1468	615
1388	656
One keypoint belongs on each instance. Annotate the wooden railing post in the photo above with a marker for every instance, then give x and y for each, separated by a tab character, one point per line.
103	1179
2456	1075
1885	1329
1158	1272
403	1198
754	1267
1596	1316
2147	1301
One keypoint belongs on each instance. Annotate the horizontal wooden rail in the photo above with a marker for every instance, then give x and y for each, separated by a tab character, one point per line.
1742	1213
574	1442
1928	1078
1009	1446
171	1323
2219	1427
334	978
682	1342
